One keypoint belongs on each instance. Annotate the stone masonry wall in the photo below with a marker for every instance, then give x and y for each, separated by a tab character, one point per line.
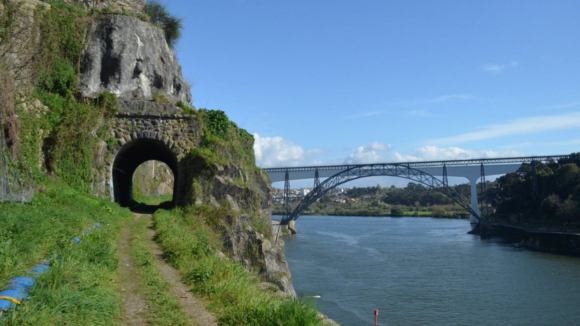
180	133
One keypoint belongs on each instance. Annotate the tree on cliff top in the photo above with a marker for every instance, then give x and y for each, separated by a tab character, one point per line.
159	16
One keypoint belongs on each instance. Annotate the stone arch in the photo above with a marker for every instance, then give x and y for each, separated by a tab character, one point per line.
130	156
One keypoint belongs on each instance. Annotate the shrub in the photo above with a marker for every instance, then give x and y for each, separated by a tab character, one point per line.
170	24
187	109
397	211
60	80
160	98
109	103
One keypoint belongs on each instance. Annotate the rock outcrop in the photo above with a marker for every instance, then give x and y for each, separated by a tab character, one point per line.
248	204
130	58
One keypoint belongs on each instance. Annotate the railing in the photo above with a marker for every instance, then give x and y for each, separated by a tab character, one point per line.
484	161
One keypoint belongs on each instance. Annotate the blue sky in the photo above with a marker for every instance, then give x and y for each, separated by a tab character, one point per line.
336	81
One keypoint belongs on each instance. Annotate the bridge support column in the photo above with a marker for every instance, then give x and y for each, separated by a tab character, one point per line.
474	204
287	208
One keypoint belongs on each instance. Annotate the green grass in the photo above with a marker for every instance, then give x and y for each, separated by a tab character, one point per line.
164	307
232	291
80	287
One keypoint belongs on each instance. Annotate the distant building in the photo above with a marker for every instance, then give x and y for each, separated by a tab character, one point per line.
304	192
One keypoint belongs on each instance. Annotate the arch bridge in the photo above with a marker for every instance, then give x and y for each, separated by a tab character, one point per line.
421	172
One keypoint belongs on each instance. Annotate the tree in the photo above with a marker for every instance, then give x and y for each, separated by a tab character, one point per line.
397	211
567	178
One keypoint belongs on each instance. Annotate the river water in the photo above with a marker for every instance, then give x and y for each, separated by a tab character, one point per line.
427	271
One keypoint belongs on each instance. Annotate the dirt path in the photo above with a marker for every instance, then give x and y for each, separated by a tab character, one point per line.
134	303
192	305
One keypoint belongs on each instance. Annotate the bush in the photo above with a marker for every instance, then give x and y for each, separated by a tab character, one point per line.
397	211
160	98
60	80
109	103
159	16
187	109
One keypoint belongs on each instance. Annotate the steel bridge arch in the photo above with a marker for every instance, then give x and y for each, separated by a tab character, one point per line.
375	170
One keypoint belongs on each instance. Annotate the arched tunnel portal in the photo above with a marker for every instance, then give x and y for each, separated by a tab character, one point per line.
133	154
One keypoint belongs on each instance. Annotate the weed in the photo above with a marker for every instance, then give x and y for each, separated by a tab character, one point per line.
187	109
160	98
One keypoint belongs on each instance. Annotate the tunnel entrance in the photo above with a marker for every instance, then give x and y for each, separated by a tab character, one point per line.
129	158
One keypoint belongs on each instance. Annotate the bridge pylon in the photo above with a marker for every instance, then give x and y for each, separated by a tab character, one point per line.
287	207
316	179
482	188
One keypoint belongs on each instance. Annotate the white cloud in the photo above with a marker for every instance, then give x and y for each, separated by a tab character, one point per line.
517	127
433	153
275	151
497	68
367	154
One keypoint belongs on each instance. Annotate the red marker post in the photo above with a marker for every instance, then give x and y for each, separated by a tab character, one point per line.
376	316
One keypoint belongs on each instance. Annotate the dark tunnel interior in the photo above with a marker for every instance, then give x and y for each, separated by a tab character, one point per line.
130	157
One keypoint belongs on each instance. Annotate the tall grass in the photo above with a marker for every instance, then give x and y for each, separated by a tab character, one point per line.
80	287
234	293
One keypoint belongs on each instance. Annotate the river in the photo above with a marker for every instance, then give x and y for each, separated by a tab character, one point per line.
427	271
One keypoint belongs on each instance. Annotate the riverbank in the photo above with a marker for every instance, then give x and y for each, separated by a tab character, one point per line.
557	242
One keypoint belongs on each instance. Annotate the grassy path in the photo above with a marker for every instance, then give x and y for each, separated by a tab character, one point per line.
133	302
152	291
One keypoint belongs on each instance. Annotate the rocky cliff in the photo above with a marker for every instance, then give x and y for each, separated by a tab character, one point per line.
131	59
243	195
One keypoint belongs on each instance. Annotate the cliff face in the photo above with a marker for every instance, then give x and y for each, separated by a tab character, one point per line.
131	59
244	196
